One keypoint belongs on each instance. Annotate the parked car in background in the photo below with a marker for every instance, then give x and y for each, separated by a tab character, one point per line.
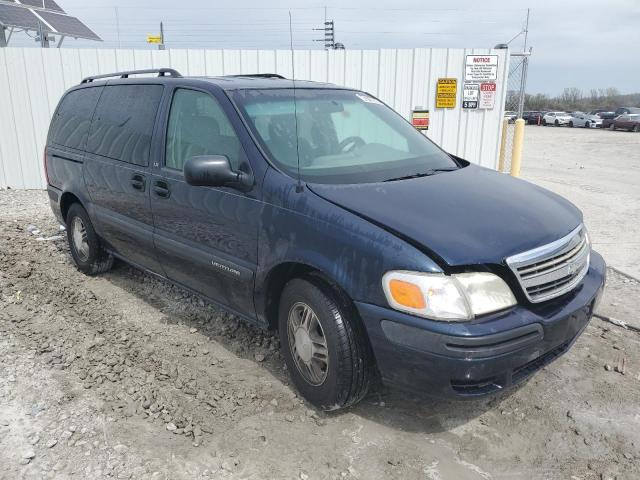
627	121
511	115
603	113
623	110
556	118
532	118
587	120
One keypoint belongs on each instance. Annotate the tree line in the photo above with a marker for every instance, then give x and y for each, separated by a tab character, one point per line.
575	99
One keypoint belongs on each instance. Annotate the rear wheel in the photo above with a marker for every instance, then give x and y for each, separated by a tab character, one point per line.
88	253
571	124
324	345
587	125
636	128
557	123
544	122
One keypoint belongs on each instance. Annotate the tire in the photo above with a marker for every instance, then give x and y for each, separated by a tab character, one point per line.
544	122
612	127
88	254
636	128
571	124
338	374
587	124
557	123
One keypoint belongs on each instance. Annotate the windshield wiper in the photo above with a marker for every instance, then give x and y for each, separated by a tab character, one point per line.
428	173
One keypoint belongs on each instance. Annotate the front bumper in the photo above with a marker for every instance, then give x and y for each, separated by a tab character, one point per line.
469	359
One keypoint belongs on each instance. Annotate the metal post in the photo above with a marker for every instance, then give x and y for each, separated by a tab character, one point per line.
503	145
118	26
516	155
523	85
3	37
161	45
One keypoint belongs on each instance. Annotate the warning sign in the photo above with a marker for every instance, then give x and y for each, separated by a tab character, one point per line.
420	119
487	95
446	92
470	95
481	68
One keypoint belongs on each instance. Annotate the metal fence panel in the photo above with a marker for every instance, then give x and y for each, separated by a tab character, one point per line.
32	81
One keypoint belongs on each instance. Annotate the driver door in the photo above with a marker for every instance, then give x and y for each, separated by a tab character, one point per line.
206	238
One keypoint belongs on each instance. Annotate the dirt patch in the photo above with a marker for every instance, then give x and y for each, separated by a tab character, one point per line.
125	376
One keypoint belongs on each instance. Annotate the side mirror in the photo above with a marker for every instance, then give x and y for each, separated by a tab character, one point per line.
215	171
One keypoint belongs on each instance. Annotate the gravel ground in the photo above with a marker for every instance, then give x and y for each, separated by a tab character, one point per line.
124	376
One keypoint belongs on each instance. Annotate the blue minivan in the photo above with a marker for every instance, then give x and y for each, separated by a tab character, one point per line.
319	212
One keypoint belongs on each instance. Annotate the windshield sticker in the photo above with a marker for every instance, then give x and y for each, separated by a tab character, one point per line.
368	99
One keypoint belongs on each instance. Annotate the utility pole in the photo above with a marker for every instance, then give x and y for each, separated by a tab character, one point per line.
117	26
161	45
3	37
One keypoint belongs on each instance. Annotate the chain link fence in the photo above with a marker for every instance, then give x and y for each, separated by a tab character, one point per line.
514	104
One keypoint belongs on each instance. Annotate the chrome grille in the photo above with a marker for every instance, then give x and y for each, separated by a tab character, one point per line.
554	269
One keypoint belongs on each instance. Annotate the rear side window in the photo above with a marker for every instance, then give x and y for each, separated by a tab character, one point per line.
123	123
70	124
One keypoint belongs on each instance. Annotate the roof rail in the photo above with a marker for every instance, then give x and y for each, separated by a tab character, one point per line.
162	72
258	75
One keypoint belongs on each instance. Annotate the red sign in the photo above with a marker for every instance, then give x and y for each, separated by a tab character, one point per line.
420	119
487	87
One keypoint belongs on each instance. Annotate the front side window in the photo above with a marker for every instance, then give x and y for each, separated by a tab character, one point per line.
199	126
337	136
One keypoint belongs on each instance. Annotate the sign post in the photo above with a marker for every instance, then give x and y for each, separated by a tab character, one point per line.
446	92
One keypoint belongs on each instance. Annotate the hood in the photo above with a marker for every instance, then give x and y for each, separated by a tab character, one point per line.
468	216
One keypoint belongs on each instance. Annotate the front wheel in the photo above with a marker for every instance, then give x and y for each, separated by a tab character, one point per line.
557	123
544	123
587	125
324	345
88	253
636	128
571	124
612	127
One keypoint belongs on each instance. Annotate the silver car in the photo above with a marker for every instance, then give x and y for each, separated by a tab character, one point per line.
556	118
587	120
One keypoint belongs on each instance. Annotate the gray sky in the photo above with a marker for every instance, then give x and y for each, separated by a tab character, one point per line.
576	43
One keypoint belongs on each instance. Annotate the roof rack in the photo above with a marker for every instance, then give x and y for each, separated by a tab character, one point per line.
258	75
162	72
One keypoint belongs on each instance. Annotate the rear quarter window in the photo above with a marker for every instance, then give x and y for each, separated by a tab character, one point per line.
123	122
70	123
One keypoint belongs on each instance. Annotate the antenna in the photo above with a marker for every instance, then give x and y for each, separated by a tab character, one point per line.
295	105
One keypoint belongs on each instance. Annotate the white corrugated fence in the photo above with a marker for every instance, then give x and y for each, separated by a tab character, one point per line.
32	81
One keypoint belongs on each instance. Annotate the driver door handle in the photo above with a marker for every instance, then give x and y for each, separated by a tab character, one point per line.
161	189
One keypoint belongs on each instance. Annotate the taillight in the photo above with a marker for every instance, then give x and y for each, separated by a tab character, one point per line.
46	170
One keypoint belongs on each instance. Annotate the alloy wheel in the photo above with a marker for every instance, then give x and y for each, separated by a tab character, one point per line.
80	242
308	344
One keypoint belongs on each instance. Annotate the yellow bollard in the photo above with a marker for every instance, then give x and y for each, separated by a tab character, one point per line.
516	155
503	145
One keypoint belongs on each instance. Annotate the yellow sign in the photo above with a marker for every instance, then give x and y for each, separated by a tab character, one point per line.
446	92
154	39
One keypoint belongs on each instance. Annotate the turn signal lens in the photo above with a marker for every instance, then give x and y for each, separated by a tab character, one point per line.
406	294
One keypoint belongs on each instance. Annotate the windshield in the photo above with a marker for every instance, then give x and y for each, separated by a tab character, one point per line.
344	136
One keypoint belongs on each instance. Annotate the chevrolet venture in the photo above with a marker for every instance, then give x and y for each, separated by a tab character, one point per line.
319	212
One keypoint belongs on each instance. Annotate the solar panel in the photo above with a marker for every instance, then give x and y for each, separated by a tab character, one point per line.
67	25
48	4
14	16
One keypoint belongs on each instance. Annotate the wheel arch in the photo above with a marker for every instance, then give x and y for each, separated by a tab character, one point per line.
66	200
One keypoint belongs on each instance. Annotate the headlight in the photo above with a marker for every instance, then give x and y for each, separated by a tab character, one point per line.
457	297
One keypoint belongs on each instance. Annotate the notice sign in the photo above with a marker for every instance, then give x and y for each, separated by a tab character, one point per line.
470	95
487	95
446	92
481	68
420	119
154	39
